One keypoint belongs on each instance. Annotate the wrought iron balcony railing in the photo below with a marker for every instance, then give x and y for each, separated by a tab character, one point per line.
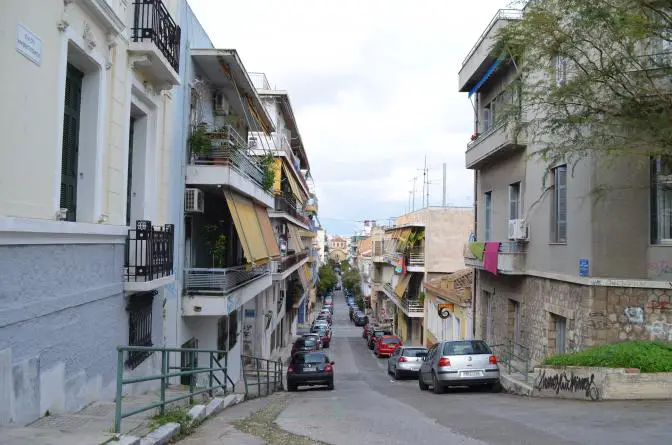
289	261
149	252
411	306
152	22
199	281
286	203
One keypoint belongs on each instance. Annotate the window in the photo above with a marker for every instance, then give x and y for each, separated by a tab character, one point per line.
466	347
661	200
139	326
559	217
560	71
560	334
70	151
488	215
514	200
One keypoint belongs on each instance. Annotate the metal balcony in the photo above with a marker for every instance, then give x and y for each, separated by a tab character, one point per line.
212	281
148	259
510	258
412	307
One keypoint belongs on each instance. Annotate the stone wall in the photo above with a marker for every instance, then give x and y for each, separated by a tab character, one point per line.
592	315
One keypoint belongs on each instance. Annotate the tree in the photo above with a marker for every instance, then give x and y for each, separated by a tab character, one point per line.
351	280
327	279
592	74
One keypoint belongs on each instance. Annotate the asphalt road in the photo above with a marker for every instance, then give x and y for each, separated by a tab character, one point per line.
369	407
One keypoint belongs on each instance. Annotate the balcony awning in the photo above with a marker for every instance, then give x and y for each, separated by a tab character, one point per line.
303	278
293	185
485	77
295	242
307	234
267	232
248	227
277	175
402	285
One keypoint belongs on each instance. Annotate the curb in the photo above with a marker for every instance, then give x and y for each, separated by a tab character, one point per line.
198	413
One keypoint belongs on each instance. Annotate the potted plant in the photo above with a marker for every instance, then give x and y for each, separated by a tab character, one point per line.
199	142
216	242
267	164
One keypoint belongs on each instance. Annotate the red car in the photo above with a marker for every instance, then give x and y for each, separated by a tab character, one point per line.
386	345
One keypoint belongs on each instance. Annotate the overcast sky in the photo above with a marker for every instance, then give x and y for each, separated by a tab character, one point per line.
374	89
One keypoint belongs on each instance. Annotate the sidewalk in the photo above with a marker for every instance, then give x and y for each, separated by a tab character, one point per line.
91	426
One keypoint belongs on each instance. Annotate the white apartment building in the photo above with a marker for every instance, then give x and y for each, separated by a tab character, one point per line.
86	246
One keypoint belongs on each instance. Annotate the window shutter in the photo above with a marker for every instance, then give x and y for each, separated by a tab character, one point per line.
561	186
70	150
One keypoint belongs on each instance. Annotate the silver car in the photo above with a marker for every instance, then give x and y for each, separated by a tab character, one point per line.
459	363
315	337
406	360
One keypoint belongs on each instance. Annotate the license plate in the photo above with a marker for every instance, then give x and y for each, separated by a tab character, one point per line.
309	369
471	374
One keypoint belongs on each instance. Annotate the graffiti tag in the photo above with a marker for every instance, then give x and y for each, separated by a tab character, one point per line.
568	383
659	268
660	330
634	315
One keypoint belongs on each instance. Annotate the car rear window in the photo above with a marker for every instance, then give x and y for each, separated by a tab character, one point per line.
467	347
391	341
311	357
307	342
414	352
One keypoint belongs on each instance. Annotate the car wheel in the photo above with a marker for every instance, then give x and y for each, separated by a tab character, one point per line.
495	387
330	386
438	387
423	386
396	374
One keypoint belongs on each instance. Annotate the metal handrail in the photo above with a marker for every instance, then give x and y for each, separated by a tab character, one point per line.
215	367
512	351
221	281
502	14
272	368
148	252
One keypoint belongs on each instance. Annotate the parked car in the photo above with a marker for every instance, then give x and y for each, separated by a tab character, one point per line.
406	361
375	334
386	345
365	330
304	344
360	318
315	337
325	317
459	363
325	334
310	369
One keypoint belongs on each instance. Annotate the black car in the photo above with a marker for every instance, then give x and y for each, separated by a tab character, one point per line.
310	369
360	318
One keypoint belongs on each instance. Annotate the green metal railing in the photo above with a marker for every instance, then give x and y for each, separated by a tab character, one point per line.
515	357
189	369
267	373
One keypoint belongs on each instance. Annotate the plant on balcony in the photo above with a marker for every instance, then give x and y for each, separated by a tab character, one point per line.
216	243
199	142
266	162
421	297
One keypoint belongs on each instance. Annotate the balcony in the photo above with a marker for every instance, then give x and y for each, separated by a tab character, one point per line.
493	142
148	259
510	259
481	57
413	308
220	158
155	42
416	260
217	292
285	205
284	266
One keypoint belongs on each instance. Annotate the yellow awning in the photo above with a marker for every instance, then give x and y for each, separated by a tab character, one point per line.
267	231
248	228
303	278
295	242
277	175
402	285
307	234
293	185
309	274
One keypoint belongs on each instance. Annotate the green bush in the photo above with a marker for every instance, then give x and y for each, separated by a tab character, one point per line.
648	356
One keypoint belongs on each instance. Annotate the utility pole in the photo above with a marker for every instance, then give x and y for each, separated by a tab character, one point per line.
443	201
410	192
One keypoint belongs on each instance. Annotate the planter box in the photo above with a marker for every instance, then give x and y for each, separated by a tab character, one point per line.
587	383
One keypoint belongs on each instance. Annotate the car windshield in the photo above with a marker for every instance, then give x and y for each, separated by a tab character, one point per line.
391	341
467	347
418	352
313	357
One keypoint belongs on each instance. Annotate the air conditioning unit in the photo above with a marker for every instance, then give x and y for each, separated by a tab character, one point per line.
222	107
194	201
517	229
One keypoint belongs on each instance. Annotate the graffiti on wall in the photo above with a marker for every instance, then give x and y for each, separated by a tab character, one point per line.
635	315
659	330
660	268
597	320
561	381
659	303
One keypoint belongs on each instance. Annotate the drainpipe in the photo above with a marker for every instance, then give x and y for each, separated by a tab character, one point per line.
474	279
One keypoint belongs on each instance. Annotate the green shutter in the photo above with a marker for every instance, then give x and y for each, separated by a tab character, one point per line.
70	153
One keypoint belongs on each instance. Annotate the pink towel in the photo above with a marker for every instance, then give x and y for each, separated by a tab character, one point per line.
490	256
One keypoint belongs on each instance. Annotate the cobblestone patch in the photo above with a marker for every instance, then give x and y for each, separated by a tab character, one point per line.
262	425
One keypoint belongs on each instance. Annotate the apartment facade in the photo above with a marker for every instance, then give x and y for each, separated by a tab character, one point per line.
294	211
422	245
86	234
558	267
